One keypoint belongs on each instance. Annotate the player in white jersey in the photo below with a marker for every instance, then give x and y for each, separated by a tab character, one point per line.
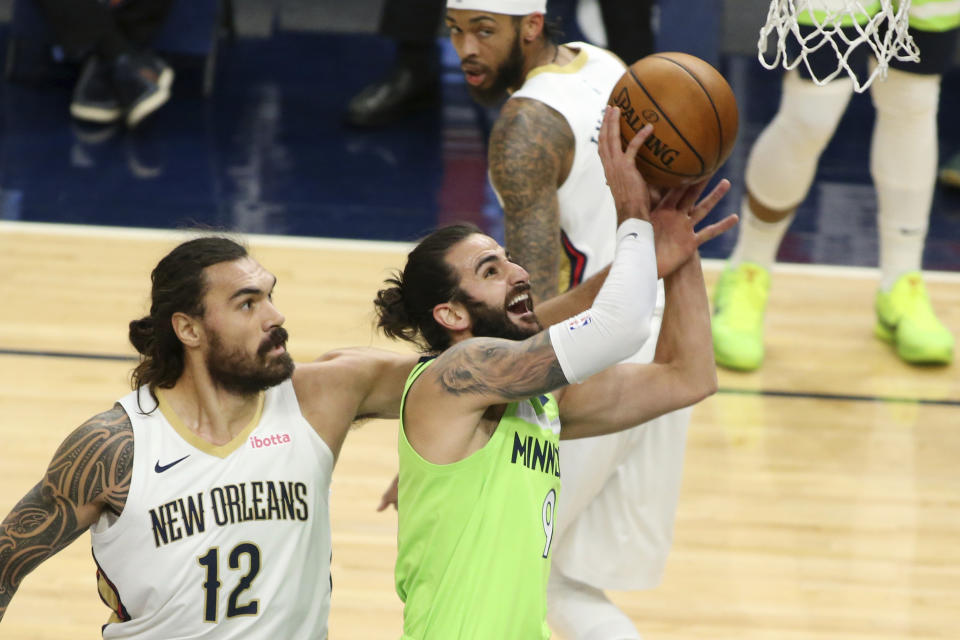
206	488
614	528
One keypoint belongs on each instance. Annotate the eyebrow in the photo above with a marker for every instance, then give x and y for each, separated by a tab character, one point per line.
476	19
252	290
490	258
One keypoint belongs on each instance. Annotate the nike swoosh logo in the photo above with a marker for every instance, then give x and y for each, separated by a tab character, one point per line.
159	468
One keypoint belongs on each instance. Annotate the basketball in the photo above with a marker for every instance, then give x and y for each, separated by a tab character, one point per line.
693	112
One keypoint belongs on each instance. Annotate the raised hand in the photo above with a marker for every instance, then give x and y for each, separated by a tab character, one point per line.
675	219
630	193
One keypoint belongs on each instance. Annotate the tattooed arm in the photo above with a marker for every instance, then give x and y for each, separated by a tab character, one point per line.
530	154
90	472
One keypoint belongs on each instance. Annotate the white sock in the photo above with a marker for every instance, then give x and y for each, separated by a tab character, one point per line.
758	241
903	163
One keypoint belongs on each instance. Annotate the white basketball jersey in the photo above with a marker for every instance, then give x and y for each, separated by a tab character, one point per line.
579	91
215	542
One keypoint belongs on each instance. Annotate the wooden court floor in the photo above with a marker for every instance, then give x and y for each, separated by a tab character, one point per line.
821	495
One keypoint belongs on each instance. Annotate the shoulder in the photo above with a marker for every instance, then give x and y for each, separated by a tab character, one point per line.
95	462
111	428
530	145
527	121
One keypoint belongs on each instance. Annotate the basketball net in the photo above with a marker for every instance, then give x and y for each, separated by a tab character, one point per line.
884	32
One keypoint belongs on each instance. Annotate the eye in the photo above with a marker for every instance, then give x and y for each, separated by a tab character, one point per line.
246	305
454	29
489	271
485	33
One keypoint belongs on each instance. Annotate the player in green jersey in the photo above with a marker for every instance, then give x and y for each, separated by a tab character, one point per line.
481	422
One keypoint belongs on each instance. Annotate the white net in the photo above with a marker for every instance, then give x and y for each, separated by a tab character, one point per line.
836	24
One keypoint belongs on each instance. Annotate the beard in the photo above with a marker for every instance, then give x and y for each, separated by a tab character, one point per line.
508	75
490	322
237	372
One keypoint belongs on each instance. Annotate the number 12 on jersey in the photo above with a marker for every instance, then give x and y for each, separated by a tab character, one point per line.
211	586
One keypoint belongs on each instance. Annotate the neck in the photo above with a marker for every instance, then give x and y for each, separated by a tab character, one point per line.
211	412
550	54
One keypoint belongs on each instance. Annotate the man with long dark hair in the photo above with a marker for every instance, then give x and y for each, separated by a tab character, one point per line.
206	488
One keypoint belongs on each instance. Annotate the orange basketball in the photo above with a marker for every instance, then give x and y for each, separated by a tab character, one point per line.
692	110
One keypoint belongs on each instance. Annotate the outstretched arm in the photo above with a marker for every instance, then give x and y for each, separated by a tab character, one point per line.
347	385
90	472
683	371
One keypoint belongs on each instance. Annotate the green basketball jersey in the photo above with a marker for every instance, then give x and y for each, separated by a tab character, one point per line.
474	537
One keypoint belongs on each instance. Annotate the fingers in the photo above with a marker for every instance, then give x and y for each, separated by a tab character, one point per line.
692	193
609	141
386	502
706	205
636	142
711	231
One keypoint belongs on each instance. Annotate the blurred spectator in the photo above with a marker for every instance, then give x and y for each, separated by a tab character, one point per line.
120	78
413	83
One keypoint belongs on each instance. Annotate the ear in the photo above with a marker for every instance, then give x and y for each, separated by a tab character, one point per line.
452	316
187	328
532	27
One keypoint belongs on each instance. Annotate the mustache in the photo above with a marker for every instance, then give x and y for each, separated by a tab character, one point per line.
523	287
278	337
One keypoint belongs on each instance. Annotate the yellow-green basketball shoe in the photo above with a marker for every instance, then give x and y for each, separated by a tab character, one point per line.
739	302
906	320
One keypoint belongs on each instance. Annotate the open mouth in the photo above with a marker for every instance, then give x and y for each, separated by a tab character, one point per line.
473	76
520	304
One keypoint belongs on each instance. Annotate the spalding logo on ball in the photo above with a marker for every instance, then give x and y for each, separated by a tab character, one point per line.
693	112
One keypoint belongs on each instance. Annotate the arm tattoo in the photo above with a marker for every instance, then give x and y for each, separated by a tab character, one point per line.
505	368
93	464
531	148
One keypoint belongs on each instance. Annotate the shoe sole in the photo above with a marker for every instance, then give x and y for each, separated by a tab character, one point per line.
165	80
147	106
95	114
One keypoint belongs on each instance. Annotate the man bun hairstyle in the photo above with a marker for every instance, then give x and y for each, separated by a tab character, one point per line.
405	307
178	286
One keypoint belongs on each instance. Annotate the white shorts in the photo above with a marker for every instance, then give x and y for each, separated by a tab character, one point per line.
618	500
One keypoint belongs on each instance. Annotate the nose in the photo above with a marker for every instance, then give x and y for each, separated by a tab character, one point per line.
468	46
274	317
519	274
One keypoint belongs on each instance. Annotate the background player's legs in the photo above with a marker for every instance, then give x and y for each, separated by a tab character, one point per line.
903	163
780	169
577	611
615	529
621	537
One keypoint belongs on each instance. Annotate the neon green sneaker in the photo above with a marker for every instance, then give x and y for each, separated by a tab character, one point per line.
950	171
739	303
906	320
